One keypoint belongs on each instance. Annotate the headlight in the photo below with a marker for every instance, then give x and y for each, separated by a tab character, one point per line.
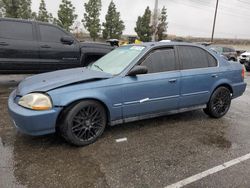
36	101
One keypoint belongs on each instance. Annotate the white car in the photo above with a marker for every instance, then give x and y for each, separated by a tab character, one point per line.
165	41
245	59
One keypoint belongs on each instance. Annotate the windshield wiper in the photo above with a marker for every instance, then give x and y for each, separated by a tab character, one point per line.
98	67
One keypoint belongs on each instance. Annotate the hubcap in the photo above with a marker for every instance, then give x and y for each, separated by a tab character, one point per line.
87	123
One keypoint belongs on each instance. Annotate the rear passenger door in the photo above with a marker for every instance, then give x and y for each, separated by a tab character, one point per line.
18	46
154	92
53	53
198	74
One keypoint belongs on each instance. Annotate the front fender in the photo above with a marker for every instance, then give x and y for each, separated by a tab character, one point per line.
109	97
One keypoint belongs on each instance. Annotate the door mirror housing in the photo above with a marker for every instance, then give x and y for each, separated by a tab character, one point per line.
138	69
67	40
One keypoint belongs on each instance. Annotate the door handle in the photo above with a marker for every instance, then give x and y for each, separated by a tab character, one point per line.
214	75
4	44
172	81
45	46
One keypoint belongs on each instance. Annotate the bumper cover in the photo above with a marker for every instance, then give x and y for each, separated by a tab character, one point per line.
32	122
239	89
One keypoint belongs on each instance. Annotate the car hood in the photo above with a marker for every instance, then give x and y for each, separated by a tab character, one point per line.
246	53
94	45
52	80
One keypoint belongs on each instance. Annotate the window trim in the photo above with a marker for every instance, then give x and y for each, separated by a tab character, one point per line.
50	25
181	64
21	22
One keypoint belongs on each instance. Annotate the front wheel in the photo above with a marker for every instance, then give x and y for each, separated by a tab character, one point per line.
84	123
219	103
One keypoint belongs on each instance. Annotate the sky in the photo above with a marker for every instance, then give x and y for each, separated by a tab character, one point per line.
185	17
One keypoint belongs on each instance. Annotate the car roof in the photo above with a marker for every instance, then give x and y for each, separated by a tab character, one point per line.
162	44
23	20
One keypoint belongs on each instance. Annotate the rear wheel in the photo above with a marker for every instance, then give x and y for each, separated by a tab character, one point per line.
219	103
84	123
232	59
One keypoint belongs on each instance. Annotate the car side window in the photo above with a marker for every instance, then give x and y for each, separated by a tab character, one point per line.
50	33
192	57
16	30
212	62
160	61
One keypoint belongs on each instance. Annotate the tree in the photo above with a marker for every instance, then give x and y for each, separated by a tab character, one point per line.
163	25
143	28
34	16
66	16
24	10
43	14
16	9
113	26
91	19
10	8
1	9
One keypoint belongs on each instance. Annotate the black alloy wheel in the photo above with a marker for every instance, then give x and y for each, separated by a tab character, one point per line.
219	103
84	123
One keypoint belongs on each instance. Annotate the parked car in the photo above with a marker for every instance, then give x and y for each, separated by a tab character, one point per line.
130	83
239	52
33	47
229	53
245	60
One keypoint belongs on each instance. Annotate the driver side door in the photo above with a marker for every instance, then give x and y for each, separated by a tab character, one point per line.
154	92
53	53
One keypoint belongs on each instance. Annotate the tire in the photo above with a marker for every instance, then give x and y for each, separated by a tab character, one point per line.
219	103
247	69
205	110
83	123
232	59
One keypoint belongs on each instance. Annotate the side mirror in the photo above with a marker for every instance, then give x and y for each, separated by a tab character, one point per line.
138	70
67	40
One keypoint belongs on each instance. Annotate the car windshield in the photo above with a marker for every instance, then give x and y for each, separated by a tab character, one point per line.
117	60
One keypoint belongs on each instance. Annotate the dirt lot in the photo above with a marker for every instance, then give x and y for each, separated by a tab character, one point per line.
157	153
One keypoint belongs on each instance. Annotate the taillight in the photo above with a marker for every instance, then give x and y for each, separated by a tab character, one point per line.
243	72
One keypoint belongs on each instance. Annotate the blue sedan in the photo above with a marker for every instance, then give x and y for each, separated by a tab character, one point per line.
130	83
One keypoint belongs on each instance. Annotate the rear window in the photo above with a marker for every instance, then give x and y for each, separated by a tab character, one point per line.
217	49
16	30
194	57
